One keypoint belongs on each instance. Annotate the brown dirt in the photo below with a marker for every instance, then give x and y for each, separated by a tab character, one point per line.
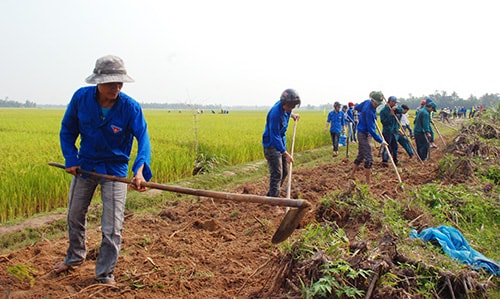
200	247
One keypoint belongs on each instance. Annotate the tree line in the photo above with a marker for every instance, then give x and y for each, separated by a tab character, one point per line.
442	98
14	104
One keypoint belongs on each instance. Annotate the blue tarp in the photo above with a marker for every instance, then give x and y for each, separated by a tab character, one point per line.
454	245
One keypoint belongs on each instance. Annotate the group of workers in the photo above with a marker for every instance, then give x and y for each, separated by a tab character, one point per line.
361	123
395	124
105	121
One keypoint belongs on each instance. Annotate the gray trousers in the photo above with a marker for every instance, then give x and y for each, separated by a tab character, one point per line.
113	202
364	150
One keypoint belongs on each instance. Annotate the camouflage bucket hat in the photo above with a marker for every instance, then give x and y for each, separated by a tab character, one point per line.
109	69
377	97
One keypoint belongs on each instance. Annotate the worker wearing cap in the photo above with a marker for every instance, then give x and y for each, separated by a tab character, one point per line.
422	106
366	130
105	121
390	129
336	121
274	139
422	130
351	123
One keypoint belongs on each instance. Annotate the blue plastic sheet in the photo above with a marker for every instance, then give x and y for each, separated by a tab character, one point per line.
456	246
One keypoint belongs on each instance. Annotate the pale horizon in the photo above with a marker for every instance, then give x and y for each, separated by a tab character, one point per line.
233	53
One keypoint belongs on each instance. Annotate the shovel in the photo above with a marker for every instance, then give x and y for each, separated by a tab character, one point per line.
289	226
293	216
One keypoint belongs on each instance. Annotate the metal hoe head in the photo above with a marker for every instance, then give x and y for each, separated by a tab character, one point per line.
289	223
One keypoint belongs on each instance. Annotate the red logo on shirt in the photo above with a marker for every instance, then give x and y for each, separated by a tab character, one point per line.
116	129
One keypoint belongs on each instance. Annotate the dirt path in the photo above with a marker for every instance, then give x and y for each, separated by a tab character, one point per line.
197	248
34	223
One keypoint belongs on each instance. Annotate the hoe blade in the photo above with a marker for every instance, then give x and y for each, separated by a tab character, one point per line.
289	223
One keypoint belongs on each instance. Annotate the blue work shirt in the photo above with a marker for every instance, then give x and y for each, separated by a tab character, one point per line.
276	126
367	119
350	115
336	120
105	141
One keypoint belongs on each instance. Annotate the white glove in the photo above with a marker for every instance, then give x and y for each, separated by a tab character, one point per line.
384	143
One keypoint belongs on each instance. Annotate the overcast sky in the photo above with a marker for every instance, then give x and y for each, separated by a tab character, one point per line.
232	52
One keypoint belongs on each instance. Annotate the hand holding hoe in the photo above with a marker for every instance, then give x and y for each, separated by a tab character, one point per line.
293	216
390	156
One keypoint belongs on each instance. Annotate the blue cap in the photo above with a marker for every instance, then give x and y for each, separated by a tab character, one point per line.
393	99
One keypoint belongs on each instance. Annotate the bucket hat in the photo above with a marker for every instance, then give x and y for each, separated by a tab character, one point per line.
108	69
377	96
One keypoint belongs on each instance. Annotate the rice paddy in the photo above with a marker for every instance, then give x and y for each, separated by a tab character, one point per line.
29	139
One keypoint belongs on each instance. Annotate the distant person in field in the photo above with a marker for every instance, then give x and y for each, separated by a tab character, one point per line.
106	121
336	121
274	139
351	123
366	130
422	130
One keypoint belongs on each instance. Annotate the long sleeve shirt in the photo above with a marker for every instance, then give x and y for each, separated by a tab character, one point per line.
388	120
422	122
350	115
367	119
105	141
336	121
275	130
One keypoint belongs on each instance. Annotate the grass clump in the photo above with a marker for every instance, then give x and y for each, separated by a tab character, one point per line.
23	272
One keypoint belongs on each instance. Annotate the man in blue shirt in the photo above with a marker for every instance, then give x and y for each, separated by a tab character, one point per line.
351	123
366	129
274	139
106	121
336	120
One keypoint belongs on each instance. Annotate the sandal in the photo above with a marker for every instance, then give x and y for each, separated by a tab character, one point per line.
61	267
108	281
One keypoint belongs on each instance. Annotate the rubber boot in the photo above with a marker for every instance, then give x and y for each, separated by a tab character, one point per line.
368	175
354	169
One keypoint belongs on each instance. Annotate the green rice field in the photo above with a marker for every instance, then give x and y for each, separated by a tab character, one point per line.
29	139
